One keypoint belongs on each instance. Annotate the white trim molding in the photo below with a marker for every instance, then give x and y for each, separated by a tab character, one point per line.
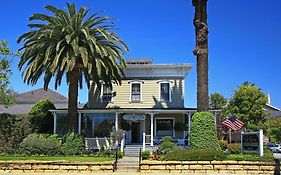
131	84
171	83
101	94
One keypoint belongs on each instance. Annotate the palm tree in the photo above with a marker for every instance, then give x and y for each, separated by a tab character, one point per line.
67	42
201	52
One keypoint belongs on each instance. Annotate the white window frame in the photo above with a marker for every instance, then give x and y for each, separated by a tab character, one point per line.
170	90
155	128
131	84
101	94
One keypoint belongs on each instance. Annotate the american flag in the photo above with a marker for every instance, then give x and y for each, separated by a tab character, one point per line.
233	123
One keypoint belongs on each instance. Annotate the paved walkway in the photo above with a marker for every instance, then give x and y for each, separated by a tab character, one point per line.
114	173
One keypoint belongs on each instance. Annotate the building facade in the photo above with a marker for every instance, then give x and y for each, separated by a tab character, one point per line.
148	105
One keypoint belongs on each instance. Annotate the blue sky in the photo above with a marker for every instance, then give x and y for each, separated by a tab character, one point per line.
244	39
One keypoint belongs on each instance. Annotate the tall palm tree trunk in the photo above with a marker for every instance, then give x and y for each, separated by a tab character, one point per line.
201	52
72	99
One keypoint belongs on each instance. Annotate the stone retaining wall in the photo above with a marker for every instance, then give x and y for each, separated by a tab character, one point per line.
55	167
210	167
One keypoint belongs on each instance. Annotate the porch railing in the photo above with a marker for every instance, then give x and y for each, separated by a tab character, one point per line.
98	143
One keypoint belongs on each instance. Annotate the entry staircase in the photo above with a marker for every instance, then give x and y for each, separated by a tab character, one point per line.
130	161
132	150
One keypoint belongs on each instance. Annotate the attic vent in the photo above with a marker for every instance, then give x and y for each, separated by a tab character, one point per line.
139	61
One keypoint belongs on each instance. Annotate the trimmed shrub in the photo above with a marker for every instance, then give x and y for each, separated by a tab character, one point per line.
40	144
110	153
145	155
167	139
194	154
41	118
223	144
73	144
234	148
166	146
203	132
268	155
13	129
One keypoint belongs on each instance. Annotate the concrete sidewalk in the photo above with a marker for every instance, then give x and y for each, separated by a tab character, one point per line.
113	173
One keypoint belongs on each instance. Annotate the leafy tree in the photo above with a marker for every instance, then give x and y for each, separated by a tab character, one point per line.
13	129
6	92
247	104
41	118
273	130
203	131
67	42
217	101
201	52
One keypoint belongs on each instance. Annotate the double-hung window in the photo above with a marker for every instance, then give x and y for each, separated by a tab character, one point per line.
135	92
106	93
164	127
165	91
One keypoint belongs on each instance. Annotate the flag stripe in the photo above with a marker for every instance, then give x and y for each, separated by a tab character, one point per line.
233	123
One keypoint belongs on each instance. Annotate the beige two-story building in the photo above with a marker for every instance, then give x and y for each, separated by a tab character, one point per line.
148	105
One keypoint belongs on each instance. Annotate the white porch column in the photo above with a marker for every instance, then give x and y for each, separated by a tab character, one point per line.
55	122
116	120
79	123
143	142
215	117
151	128
188	129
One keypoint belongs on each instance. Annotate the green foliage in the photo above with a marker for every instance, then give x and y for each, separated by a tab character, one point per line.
73	144
70	42
109	153
40	117
145	155
6	92
203	131
194	154
166	146
13	129
268	156
272	129
167	139
223	144
247	104
40	144
217	101
234	148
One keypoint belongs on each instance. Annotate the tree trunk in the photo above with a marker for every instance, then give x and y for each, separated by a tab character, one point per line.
72	100
201	52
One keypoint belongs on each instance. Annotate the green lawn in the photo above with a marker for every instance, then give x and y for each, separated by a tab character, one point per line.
49	158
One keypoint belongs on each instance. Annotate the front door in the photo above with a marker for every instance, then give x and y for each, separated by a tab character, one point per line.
136	132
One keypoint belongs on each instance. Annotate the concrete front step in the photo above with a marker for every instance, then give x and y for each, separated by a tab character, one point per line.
132	150
128	164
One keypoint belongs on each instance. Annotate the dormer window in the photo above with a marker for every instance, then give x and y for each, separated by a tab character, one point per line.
165	91
135	95
107	93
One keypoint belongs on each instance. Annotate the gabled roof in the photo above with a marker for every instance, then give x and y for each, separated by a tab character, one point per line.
33	96
272	107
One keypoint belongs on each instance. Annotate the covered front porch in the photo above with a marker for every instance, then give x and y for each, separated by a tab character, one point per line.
143	127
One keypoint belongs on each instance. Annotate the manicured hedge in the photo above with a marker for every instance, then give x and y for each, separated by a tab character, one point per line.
40	144
13	129
203	132
194	154
73	144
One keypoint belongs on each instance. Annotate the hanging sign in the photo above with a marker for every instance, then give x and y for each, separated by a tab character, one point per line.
133	117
